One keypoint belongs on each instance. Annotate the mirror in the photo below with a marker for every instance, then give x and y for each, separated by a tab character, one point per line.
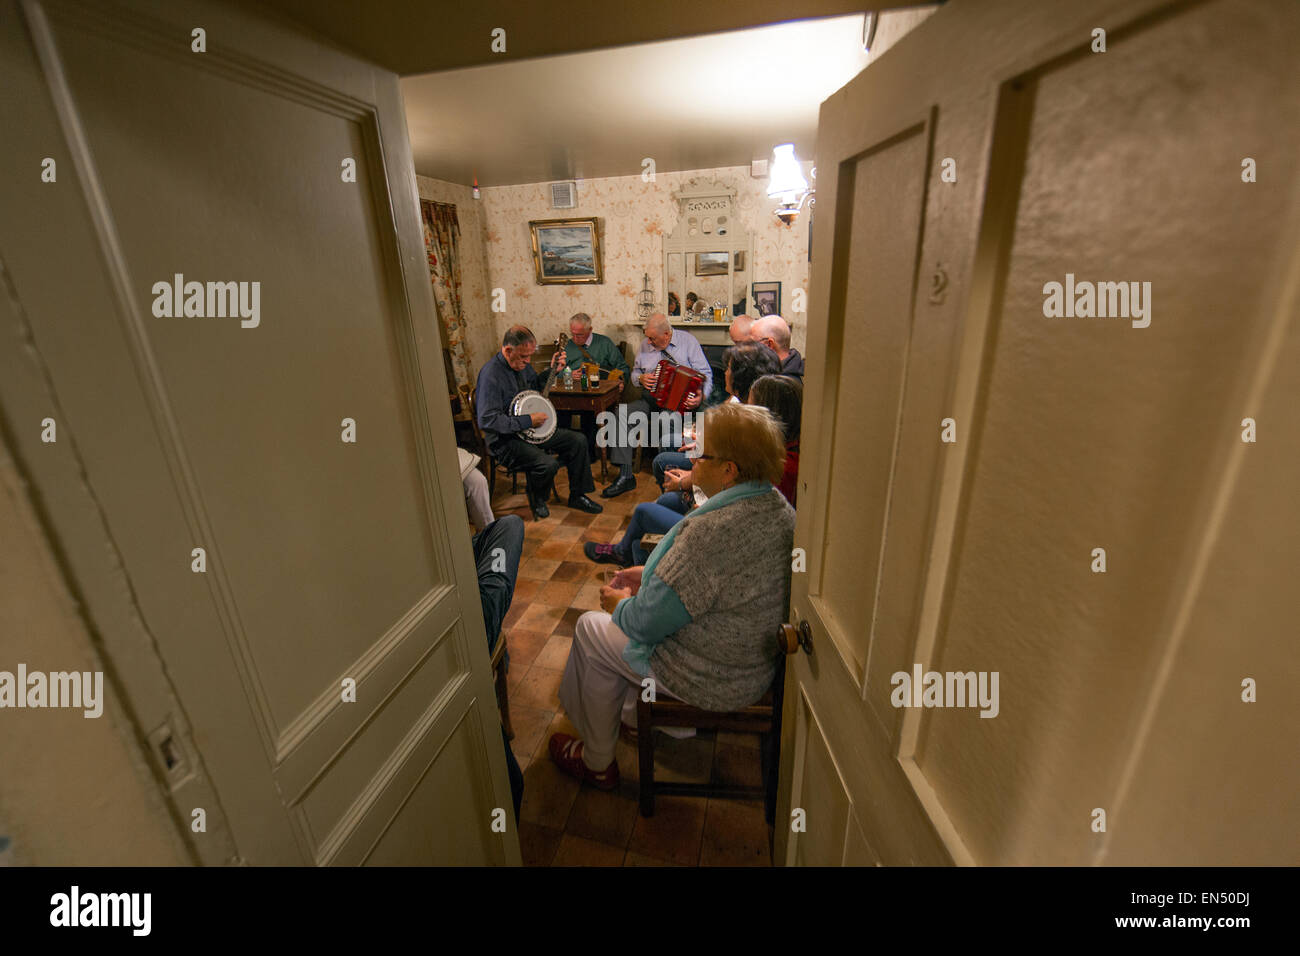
707	257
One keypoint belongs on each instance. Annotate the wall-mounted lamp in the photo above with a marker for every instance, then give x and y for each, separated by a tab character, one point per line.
787	184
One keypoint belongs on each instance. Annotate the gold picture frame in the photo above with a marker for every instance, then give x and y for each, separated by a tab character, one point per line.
567	251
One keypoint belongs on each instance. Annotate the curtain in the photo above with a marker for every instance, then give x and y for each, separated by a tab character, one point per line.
442	244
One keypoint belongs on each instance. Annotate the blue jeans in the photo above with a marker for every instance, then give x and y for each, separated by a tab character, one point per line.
670	459
647	519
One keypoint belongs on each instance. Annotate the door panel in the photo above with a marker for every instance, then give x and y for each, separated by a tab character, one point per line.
1072	434
326	560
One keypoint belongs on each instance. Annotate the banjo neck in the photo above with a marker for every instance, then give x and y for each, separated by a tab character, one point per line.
560	341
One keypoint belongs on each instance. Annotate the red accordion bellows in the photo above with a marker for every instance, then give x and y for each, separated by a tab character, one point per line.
675	385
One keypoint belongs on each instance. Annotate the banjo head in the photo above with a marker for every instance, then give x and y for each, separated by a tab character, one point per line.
530	402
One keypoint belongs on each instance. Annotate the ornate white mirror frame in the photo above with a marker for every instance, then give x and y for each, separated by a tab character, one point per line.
708	223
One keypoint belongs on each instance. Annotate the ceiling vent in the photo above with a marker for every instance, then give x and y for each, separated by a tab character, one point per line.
564	195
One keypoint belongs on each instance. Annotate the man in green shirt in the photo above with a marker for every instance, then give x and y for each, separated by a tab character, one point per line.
584	345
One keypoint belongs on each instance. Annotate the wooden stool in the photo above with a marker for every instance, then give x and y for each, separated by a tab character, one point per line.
502	688
763	717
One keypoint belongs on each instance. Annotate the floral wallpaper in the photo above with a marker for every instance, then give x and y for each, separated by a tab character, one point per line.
636	216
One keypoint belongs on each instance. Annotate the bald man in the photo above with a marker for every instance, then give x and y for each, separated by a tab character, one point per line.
772	331
738	331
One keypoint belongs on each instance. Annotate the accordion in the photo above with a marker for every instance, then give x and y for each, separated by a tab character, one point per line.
675	385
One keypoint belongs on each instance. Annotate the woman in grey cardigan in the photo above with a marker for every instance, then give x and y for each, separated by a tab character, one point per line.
699	618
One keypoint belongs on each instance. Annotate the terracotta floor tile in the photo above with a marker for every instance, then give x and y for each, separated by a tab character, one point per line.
555	655
636	859
735	834
537	569
604	522
674	833
558	593
537	844
566	532
540	688
525	590
530	725
530	545
566	623
588	597
560	724
683	761
579	518
513	616
576	851
524	646
736	766
548	794
541	618
554	550
603	817
729	738
569	571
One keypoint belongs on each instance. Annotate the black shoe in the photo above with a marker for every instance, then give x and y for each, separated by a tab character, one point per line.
625	483
583	503
606	554
540	510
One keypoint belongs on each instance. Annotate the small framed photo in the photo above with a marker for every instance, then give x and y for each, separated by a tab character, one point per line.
767	298
567	251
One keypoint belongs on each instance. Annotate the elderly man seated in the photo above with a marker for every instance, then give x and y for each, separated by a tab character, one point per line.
772	331
501	378
698	619
662	341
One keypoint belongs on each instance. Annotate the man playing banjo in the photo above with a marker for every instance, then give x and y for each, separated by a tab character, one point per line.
504	376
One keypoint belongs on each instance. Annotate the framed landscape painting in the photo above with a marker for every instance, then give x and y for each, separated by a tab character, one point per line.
567	251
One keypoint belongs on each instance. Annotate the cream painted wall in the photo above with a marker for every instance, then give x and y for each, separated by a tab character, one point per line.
636	216
75	790
482	338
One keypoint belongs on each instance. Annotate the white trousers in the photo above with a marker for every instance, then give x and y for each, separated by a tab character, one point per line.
477	499
598	685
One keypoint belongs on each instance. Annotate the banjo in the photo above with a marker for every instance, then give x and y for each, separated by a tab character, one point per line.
530	401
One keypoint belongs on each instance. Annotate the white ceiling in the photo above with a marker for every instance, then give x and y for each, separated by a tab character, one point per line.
698	103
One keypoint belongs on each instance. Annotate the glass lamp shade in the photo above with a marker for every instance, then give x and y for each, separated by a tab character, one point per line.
787	180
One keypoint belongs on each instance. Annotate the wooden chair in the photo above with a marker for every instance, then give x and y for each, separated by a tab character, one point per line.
502	688
763	718
488	458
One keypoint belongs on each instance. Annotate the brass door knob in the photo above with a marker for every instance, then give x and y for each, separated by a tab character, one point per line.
805	637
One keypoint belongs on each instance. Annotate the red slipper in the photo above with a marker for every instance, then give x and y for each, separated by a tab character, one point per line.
566	751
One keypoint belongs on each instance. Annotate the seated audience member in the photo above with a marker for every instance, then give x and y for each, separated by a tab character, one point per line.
500	379
782	395
699	617
691	299
478	500
738	330
772	331
499	546
674	304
